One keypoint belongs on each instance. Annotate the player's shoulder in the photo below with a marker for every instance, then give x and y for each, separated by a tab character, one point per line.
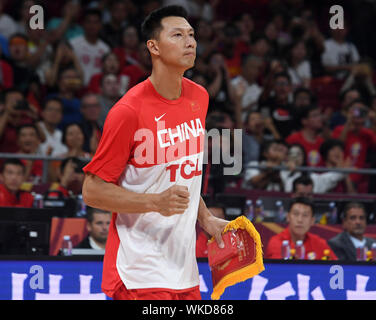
195	86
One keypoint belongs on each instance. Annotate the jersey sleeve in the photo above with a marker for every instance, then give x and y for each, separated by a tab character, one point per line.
115	145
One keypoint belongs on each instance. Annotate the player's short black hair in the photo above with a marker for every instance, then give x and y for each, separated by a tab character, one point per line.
151	26
303	200
12	161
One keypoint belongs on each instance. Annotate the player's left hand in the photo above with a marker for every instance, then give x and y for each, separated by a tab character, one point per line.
214	227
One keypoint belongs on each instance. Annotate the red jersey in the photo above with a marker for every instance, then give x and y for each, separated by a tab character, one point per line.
202	245
312	149
356	148
20	199
149	144
313	244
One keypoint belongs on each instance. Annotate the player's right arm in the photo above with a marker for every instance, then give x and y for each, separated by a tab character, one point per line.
108	196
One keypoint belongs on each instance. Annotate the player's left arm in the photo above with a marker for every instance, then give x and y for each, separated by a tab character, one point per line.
211	224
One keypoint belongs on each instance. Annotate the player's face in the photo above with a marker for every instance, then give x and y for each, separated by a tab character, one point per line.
176	44
300	219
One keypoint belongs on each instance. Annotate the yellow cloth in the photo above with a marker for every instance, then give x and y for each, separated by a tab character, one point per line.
246	272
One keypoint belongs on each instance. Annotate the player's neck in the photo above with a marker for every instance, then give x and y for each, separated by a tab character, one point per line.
167	83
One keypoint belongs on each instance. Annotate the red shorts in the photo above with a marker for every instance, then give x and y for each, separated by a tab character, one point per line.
156	294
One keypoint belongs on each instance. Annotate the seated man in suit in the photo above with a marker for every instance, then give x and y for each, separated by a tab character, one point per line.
354	224
300	218
98	223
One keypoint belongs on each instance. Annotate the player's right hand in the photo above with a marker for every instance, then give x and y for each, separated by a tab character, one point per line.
174	200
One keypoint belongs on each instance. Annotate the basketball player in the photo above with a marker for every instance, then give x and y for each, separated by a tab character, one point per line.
140	173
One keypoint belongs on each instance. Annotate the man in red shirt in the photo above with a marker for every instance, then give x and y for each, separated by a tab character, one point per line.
147	170
300	219
12	176
309	136
358	141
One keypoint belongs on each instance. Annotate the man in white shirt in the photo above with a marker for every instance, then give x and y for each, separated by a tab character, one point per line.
339	55
247	79
98	224
89	48
52	115
354	223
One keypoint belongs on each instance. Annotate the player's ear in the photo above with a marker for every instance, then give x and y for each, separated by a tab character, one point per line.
153	47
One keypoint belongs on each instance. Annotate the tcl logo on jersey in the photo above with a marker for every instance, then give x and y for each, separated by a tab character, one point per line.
187	170
182	132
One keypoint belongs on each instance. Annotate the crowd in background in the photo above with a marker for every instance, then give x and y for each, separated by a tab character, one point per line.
267	66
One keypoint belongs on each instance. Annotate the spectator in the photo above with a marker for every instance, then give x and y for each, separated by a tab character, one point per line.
25	14
303	97
7	25
300	218
74	139
69	83
274	153
12	176
110	65
23	73
309	136
303	187
70	176
354	224
339	56
277	106
248	79
67	26
260	47
322	182
221	93
128	53
271	35
16	111
346	98
135	73
112	32
6	72
40	52
108	97
64	58
52	115
28	140
361	78
358	141
254	136
206	42
98	224
333	154
232	49
91	111
88	47
299	67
